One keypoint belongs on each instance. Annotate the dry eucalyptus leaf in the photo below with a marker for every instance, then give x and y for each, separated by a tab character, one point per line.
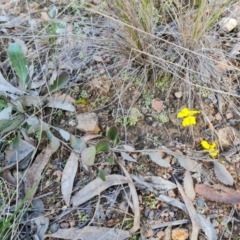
155	156
188	185
91	233
188	163
33	175
222	174
68	177
127	157
95	187
173	202
128	148
54	103
20	154
134	195
218	193
192	213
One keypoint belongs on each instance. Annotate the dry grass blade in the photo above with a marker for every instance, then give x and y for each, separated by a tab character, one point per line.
95	187
33	175
136	208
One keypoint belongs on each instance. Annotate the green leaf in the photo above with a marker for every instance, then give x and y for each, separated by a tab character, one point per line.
88	155
5	123
60	82
54	141
12	126
2	104
112	133
19	63
102	146
110	160
77	144
101	175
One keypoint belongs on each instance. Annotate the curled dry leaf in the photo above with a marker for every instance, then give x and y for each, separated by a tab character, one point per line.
54	103
188	185
222	174
172	201
192	213
134	195
155	156
68	176
33	175
127	157
128	148
91	233
155	182
218	193
96	187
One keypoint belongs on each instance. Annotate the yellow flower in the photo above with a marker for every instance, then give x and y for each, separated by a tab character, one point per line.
210	148
187	115
186	112
213	153
190	120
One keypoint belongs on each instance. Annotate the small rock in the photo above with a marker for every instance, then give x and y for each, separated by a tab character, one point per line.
233	122
228	136
238	34
154	124
229	115
97	58
88	122
54	227
178	94
227	24
149	233
102	71
180	234
218	117
64	225
72	123
107	60
144	110
157	105
171	193
160	235
72	224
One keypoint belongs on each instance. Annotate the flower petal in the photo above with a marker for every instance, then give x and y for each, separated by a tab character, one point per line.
190	120
213	153
205	144
183	113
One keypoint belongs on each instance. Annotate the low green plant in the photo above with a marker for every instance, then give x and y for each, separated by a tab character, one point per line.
133	116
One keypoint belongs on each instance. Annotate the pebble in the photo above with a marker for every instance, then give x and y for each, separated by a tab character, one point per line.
54	227
218	117
88	122
72	123
228	24
97	58
178	94
180	234
157	105
229	115
144	110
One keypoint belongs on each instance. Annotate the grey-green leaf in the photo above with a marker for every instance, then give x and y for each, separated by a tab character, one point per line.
19	63
88	155
60	82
